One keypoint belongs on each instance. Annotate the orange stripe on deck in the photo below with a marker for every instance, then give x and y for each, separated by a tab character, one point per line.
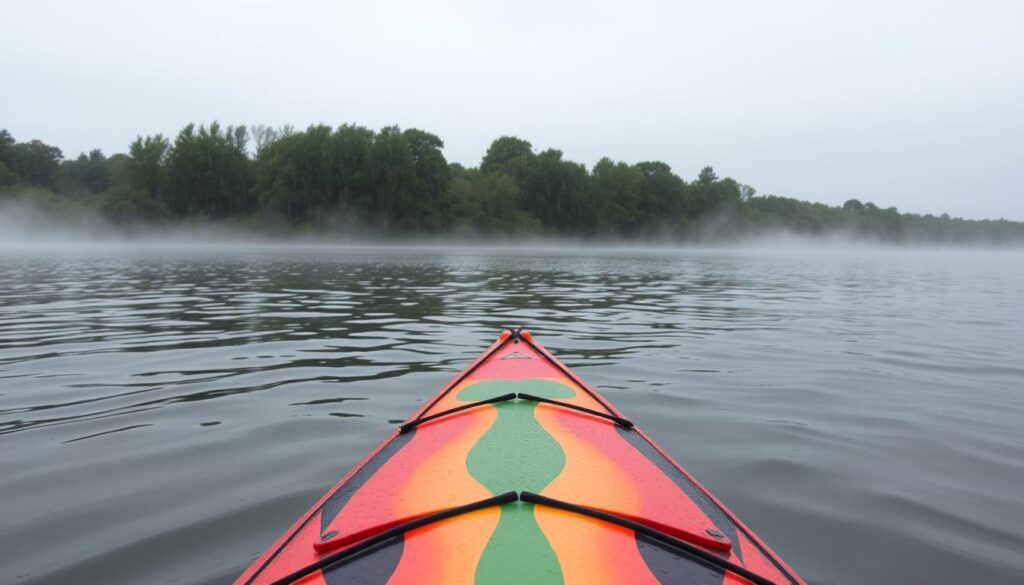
447	552
593	551
427	475
603	471
581	398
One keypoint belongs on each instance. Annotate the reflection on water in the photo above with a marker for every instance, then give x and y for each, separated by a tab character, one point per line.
165	413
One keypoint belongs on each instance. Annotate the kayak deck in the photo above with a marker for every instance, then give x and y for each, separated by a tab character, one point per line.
518	472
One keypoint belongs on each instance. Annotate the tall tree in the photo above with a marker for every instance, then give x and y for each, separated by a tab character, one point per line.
615	197
662	198
353	148
304	174
127	200
487	204
6	142
34	163
7	176
707	176
554	190
263	136
147	163
89	173
208	172
424	205
507	154
392	173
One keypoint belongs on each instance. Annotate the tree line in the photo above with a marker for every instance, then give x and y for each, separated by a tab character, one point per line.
354	180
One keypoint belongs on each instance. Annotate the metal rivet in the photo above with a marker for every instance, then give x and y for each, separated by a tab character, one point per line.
715	533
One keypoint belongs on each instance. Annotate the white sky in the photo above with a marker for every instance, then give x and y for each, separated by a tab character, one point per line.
916	104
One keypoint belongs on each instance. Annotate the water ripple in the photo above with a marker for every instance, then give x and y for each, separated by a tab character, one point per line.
153	399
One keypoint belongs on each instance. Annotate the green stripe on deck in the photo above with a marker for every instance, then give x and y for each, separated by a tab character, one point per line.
536	386
516	454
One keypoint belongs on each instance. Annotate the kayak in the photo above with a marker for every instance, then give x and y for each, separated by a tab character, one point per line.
517	471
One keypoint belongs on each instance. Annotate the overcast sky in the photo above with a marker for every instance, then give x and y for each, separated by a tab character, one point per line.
913	104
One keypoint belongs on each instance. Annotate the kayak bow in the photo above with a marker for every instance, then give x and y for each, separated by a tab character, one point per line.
518	472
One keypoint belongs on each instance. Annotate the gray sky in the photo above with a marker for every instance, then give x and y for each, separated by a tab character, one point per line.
916	104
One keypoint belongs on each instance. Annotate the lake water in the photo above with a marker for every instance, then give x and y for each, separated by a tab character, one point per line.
167	412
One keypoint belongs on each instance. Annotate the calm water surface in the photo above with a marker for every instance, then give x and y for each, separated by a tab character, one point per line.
166	413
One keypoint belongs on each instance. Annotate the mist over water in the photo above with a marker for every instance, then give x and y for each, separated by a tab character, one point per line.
26	226
167	411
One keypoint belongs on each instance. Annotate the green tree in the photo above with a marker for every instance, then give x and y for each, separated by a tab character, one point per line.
147	163
34	163
487	204
423	207
305	174
208	172
662	198
615	194
853	205
263	136
392	172
7	176
89	173
711	195
128	200
6	142
400	180
353	146
554	191
507	154
707	176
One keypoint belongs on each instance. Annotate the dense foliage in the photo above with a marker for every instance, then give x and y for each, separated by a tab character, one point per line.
355	181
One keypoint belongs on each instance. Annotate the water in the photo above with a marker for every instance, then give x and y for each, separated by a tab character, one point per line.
166	413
